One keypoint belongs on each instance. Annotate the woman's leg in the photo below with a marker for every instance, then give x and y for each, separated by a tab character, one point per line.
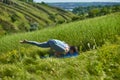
42	45
54	45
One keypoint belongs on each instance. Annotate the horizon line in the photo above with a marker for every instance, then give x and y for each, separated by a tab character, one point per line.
84	2
80	1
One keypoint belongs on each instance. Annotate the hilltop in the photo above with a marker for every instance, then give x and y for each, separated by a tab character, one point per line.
19	16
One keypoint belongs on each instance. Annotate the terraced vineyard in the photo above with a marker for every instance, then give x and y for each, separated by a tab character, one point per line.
19	16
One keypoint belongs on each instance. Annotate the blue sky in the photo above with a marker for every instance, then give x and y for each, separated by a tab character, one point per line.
77	0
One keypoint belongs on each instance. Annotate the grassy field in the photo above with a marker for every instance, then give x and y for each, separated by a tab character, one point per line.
100	64
99	37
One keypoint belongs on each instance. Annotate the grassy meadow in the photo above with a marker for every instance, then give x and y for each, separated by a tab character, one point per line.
80	33
98	42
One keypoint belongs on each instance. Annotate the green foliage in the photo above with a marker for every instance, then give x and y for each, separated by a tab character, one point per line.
104	11
52	17
13	17
26	0
34	26
75	18
2	32
43	2
7	1
93	11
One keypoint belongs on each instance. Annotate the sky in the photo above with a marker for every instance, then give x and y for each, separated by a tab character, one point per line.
77	0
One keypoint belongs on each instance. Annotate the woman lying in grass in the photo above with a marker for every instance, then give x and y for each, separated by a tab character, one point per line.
61	48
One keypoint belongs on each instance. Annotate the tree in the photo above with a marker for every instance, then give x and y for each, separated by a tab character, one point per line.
43	2
116	8
94	12
34	26
6	1
104	11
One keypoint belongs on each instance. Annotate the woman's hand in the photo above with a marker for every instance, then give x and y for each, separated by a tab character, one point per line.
24	41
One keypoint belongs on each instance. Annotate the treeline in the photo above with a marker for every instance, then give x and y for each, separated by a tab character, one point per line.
27	0
6	1
93	11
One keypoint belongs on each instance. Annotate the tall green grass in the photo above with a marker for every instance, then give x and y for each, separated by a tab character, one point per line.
100	64
86	34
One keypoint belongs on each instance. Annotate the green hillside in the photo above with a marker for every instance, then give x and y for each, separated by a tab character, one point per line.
19	16
80	33
98	40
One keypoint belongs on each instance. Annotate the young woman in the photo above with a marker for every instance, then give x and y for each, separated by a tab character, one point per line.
61	48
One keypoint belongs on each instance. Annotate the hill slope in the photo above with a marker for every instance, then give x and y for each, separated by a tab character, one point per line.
18	16
101	36
81	33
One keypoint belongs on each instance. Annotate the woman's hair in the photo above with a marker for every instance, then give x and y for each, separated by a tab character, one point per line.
74	48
